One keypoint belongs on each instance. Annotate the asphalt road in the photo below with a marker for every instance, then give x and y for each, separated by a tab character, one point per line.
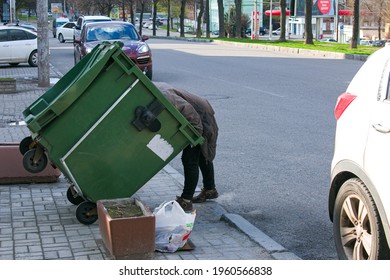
275	114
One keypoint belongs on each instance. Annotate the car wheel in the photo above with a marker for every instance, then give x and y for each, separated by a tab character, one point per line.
149	73
357	227
33	59
61	38
77	57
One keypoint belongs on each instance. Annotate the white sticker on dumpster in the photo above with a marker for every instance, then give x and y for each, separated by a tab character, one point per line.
160	147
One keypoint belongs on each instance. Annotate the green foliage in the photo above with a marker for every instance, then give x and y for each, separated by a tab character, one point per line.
318	45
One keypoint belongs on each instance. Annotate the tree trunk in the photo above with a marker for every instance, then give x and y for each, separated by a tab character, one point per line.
221	19
169	17
308	27
182	14
207	19
154	17
282	37
141	16
43	44
199	20
238	4
355	25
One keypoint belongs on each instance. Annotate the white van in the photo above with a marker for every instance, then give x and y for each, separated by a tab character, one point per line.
57	22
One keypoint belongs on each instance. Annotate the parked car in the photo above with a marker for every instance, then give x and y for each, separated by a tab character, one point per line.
379	43
18	45
366	42
276	32
262	31
66	31
86	19
328	40
359	197
134	46
187	29
57	22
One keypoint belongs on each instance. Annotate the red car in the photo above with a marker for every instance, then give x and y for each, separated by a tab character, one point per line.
134	46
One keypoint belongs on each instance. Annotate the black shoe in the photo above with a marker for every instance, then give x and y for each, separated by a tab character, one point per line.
205	194
187	206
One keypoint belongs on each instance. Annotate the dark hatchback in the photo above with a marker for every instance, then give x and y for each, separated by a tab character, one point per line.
134	46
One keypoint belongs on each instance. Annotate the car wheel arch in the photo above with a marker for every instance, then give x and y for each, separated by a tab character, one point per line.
345	170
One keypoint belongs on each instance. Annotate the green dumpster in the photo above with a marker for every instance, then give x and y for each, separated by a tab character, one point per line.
106	127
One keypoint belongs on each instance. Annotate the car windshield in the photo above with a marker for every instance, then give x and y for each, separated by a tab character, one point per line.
117	32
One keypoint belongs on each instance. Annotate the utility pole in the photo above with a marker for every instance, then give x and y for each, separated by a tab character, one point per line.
43	44
12	11
270	22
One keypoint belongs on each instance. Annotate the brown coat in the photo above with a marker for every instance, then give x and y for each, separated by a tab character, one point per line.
198	112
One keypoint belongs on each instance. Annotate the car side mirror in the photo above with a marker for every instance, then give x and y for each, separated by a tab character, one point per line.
144	38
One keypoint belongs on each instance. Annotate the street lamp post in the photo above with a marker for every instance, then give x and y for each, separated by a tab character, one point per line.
270	22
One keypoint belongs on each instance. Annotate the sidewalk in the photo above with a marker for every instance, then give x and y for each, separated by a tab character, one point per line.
38	222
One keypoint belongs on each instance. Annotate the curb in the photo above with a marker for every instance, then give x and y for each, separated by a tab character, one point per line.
277	251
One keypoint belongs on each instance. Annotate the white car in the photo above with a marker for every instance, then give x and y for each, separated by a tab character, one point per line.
276	32
65	32
359	198
18	45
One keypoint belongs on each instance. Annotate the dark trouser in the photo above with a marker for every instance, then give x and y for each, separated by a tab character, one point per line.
193	160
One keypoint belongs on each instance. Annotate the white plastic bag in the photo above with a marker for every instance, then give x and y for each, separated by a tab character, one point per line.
173	226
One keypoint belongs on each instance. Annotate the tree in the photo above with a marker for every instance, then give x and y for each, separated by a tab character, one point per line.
207	19
105	6
199	20
282	37
141	15
43	44
154	16
238	31
355	25
379	10
308	27
230	22
221	19
182	15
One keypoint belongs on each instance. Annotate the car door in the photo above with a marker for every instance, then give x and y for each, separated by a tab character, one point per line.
377	152
21	45
68	30
5	46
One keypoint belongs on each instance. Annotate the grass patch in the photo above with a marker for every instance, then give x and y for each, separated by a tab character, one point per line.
318	45
7	79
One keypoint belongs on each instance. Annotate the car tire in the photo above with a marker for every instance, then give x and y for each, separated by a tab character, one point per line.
357	227
149	73
61	38
33	59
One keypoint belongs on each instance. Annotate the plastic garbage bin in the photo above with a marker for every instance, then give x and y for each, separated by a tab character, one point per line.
106	127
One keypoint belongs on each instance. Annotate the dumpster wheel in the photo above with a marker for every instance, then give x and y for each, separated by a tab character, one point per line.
35	160
73	196
86	213
26	144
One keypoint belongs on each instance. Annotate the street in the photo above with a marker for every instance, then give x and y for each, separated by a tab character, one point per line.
276	131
